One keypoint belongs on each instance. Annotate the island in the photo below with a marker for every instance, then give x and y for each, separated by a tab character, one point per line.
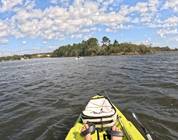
92	47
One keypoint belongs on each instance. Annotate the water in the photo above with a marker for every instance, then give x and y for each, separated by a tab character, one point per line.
40	99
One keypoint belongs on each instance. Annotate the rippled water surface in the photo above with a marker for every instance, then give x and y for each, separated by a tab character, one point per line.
40	99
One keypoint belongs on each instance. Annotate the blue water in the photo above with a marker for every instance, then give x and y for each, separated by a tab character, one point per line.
40	99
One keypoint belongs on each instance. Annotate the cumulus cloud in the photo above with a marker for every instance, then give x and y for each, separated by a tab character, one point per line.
57	22
168	31
171	21
4	32
168	26
9	4
153	5
171	4
81	18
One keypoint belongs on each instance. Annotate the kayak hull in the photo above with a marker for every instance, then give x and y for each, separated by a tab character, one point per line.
130	131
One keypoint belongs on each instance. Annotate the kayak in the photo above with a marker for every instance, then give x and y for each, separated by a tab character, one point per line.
101	112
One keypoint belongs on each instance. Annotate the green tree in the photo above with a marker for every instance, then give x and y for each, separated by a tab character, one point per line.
116	43
106	41
92	42
90	47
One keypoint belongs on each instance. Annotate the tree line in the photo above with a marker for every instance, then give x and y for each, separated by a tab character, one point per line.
91	47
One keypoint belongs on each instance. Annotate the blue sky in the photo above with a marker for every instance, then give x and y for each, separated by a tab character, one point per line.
30	26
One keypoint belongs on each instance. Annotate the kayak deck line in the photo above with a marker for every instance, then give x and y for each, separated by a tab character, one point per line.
129	130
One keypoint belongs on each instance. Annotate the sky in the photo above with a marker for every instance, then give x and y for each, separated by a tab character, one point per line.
30	26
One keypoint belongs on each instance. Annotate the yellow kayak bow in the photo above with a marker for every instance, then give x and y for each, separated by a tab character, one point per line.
130	131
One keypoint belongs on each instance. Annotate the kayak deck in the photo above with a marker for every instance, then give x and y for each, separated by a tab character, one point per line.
130	131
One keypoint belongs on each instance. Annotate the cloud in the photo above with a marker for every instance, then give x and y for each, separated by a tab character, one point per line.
4	32
7	5
171	4
56	22
167	27
82	18
3	41
45	42
24	42
57	2
153	5
164	32
171	21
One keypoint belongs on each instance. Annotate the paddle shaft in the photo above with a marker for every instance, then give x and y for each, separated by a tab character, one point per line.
142	126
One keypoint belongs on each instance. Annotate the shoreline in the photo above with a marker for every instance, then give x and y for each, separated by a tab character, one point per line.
94	47
21	57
